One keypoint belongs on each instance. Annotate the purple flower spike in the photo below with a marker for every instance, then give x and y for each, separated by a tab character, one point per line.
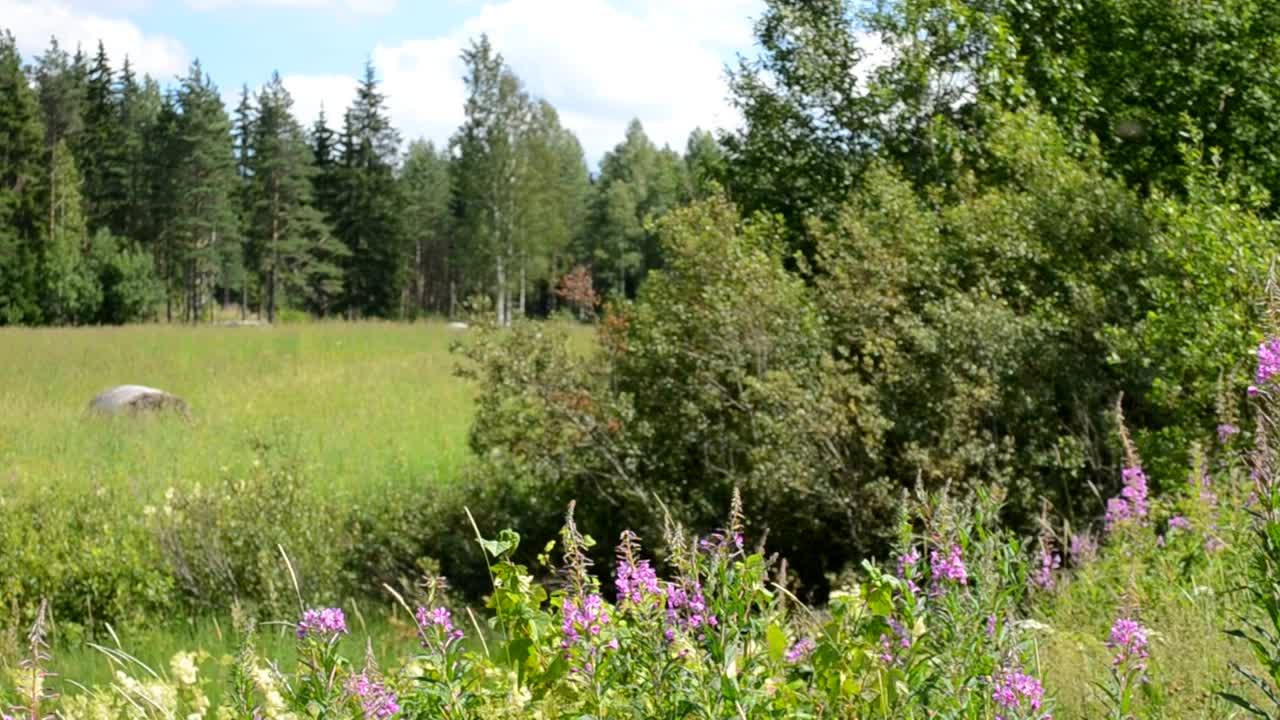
949	569
1129	642
1016	692
800	650
325	623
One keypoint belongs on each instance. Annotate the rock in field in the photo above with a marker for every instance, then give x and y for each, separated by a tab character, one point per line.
135	400
457	325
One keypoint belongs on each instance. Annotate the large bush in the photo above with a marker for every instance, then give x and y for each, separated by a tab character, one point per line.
977	334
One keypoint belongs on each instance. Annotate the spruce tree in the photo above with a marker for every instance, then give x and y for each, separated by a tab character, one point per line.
291	247
366	216
205	223
21	170
102	149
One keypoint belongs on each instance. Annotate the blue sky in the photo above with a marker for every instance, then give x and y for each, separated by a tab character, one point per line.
600	62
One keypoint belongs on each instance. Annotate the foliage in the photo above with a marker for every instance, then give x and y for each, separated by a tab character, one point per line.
131	292
718	636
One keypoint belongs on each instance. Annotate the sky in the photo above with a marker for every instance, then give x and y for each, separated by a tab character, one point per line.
600	62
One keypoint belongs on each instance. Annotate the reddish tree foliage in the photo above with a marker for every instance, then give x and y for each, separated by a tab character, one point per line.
577	289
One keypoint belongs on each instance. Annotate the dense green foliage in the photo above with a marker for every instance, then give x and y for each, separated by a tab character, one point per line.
248	209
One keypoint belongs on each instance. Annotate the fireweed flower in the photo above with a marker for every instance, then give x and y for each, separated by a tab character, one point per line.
1268	361
584	619
1015	693
1132	503
1225	431
1204	484
907	569
800	650
325	624
991	626
948	569
1177	522
1042	577
1082	549
899	639
1213	544
377	701
637	582
1129	643
687	611
437	623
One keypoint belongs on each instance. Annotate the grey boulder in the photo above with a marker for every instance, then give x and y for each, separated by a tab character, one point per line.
136	399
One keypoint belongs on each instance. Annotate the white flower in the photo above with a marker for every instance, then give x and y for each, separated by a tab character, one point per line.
183	666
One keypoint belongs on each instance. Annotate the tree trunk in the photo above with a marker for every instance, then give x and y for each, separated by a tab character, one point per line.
502	292
522	288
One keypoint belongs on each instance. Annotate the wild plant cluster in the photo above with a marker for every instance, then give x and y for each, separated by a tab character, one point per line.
960	623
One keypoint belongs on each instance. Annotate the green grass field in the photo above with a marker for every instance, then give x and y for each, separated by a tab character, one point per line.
363	403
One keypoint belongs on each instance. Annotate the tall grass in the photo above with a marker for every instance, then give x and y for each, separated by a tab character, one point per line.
363	403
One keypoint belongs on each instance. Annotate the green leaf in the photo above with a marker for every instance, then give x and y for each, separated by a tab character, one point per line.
777	642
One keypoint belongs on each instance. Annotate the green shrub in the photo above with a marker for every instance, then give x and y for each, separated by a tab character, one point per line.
88	554
224	540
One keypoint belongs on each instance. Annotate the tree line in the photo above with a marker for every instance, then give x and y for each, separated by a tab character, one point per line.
125	200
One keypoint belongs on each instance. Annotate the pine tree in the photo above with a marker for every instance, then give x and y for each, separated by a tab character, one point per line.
366	212
21	169
206	233
292	249
158	186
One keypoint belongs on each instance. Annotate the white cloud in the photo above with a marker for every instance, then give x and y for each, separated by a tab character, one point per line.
600	63
33	22
363	7
311	92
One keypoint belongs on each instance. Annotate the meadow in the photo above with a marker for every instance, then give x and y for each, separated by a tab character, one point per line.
364	403
158	542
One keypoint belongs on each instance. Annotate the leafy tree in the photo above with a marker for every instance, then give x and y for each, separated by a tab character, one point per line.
553	199
807	131
704	159
1133	72
71	294
366	211
424	185
638	183
490	166
60	87
1198	283
21	208
131	291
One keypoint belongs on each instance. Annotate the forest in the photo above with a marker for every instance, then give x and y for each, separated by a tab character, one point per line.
130	200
